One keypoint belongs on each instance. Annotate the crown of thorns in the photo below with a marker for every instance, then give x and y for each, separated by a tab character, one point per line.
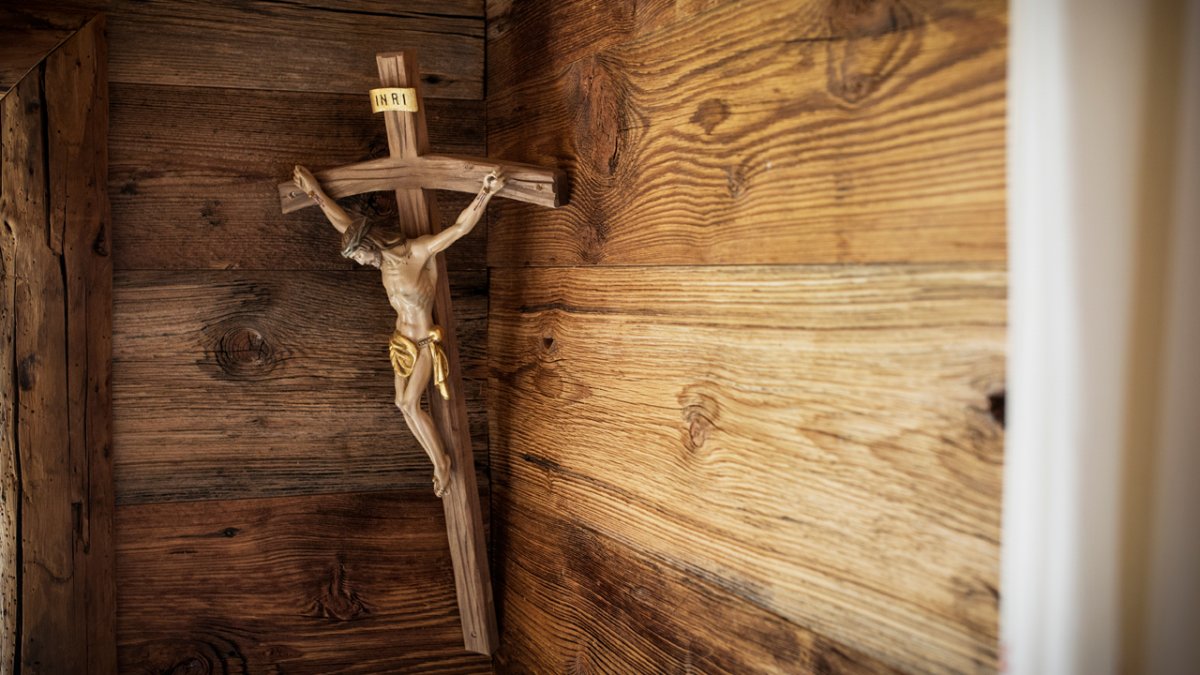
355	238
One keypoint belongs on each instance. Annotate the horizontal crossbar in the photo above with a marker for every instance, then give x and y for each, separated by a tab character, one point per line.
526	183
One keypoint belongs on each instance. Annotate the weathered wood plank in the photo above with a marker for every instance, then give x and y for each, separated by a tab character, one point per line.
28	34
10	532
809	132
77	149
342	583
48	492
570	30
816	440
193	180
301	46
577	601
244	384
57	476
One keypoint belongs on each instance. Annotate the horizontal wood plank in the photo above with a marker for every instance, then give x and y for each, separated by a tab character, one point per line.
294	46
243	384
577	601
816	440
344	583
808	132
193	178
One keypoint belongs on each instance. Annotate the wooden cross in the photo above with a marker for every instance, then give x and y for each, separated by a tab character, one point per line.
411	172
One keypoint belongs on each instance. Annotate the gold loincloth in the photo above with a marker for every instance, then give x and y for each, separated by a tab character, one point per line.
404	357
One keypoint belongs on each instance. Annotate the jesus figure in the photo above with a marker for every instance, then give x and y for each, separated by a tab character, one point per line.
410	279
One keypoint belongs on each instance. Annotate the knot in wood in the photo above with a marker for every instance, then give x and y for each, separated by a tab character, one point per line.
711	113
874	40
242	351
191	666
27	372
701	411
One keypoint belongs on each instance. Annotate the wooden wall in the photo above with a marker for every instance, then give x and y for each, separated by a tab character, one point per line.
746	390
273	514
56	496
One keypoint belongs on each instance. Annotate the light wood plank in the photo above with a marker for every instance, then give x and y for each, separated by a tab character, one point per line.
344	583
817	440
244	384
577	601
789	132
193	181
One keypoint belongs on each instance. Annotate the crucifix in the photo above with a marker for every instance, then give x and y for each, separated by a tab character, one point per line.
423	348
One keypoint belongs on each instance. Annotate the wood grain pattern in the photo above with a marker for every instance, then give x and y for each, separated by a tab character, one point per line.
243	384
193	179
293	46
28	34
47	491
10	470
809	132
526	183
215	104
76	80
580	602
57	480
815	440
341	583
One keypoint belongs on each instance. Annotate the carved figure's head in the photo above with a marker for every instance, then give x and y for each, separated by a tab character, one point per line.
358	246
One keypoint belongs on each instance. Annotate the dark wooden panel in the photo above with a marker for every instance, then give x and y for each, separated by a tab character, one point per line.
344	583
57	551
575	601
76	81
239	384
48	492
27	35
294	46
194	175
754	132
816	440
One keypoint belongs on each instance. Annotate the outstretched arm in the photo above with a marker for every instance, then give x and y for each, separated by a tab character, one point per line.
436	243
304	180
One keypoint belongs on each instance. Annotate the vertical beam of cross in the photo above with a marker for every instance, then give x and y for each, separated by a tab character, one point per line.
408	139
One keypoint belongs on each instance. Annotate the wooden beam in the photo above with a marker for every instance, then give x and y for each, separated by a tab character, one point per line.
526	183
10	478
56	542
407	139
